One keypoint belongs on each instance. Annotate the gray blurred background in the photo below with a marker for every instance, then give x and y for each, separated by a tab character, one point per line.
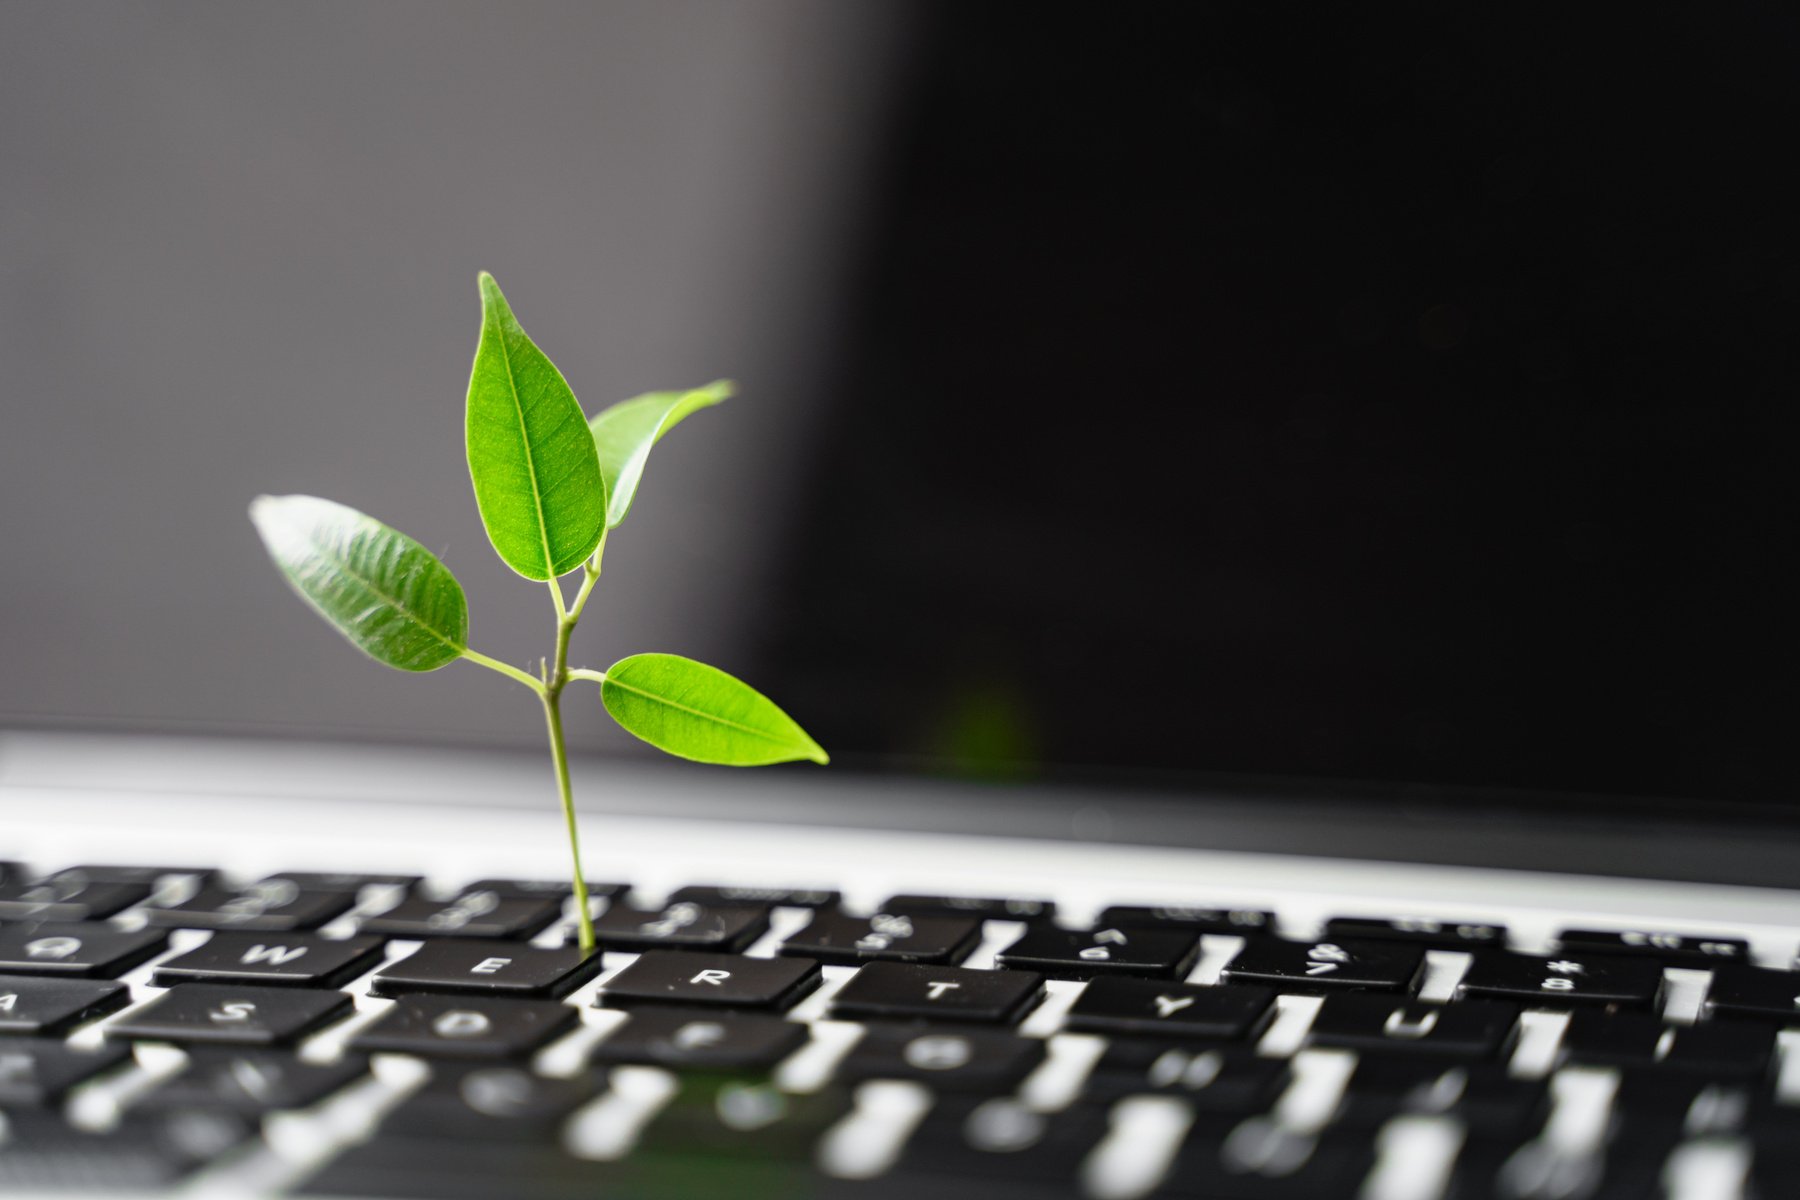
238	248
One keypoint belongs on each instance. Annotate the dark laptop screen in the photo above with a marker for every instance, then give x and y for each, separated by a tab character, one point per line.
1393	393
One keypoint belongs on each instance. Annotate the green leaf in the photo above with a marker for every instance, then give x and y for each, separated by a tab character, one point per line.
624	433
389	595
536	473
691	710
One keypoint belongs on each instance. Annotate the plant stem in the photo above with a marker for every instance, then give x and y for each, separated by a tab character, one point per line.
559	754
506	669
584	673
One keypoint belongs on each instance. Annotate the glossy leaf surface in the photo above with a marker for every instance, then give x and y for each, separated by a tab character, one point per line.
389	595
531	455
694	711
624	434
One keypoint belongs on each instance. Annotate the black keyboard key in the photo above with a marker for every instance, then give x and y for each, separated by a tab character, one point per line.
502	1103
1744	991
1483	1095
11	872
487	969
1426	931
1327	966
52	1007
1723	1050
709	1139
680	1038
1211	1078
1467	1029
681	926
411	1168
146	1151
148	876
1244	922
252	1082
337	881
938	993
1564	979
714	894
79	950
720	980
293	961
470	915
39	1071
238	1016
1001	1140
1076	954
984	907
272	906
545	889
466	1027
1680	949
1171	1010
71	898
948	1059
892	937
1258	1159
1595	1037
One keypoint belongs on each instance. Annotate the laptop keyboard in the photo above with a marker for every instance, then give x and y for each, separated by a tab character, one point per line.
381	1036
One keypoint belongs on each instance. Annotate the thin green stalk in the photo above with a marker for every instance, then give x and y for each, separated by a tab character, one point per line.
506	669
559	754
584	673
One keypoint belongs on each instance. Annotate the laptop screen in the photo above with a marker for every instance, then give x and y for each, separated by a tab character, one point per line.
1197	393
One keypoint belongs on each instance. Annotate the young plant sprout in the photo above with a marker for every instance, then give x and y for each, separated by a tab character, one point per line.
551	485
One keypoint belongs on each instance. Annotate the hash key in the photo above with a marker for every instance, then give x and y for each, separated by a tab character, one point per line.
681	926
487	969
51	1007
465	1027
723	980
895	937
681	1038
1078	954
241	1016
85	950
1323	967
1564	979
295	960
937	993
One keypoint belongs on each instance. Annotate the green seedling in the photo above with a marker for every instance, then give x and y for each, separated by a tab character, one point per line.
551	485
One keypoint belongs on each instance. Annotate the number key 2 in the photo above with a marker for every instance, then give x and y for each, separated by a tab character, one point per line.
1564	979
1327	966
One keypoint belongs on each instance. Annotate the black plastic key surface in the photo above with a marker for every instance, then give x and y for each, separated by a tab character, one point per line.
786	897
893	937
1327	966
1211	1078
722	1127
239	1016
715	980
1681	949
1364	1021
1170	1010
294	960
545	889
473	914
477	968
40	1071
276	906
1722	1050
1258	1159
149	876
492	1104
1240	921
52	1007
1745	991
342	881
252	1082
1595	1037
948	1059
1078	954
938	993
1482	1095
681	1038
1563	979
84	950
1000	1139
1426	931
71	898
988	907
466	1027
145	1151
681	926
